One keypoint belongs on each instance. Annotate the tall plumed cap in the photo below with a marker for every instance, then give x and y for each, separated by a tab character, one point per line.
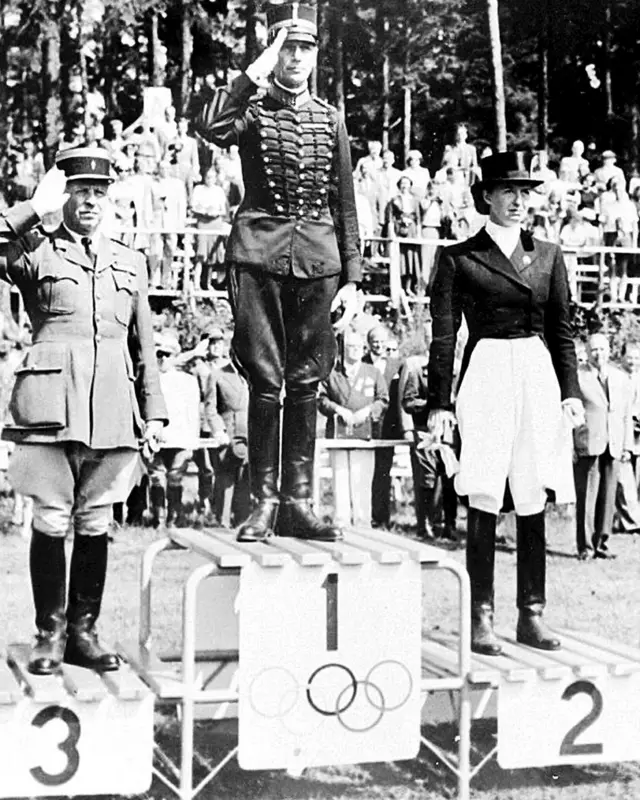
85	163
299	18
513	166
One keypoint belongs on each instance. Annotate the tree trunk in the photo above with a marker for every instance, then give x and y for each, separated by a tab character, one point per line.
52	124
186	52
386	83
3	77
157	73
406	92
606	55
543	76
635	134
497	76
337	33
250	37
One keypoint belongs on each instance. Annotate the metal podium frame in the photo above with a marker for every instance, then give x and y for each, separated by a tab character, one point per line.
227	557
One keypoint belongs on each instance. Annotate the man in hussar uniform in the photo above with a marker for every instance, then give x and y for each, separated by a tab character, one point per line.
518	393
293	256
85	395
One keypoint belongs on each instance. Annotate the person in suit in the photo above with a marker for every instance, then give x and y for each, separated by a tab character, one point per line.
627	518
601	444
518	390
354	398
85	395
293	256
389	427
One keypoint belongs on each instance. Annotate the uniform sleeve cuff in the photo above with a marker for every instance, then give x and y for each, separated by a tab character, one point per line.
353	270
21	218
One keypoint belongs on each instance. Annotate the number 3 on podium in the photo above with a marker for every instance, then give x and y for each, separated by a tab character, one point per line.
68	746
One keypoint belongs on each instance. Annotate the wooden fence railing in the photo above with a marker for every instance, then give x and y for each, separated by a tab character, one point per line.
589	269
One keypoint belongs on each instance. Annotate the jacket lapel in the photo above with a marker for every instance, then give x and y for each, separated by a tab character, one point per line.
487	252
525	255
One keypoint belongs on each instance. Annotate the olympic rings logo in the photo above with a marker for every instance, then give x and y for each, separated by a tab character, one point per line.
332	690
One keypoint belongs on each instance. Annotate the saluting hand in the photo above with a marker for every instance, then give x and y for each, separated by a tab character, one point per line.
50	195
264	65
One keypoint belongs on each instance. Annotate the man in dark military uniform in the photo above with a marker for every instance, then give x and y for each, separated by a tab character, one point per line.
293	256
85	395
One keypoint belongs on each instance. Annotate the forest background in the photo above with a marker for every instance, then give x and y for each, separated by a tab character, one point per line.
404	71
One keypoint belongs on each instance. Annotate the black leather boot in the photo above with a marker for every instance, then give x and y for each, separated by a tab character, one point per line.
531	629
481	551
158	507
264	469
86	586
47	567
174	506
298	449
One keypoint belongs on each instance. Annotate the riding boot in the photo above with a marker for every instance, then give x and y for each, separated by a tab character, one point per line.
47	568
264	469
158	508
481	550
86	587
174	506
298	449
531	570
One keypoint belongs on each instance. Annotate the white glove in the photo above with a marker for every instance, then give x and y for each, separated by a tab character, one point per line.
574	412
441	424
263	66
347	299
50	194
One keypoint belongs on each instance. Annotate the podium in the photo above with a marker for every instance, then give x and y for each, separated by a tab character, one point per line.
328	668
73	733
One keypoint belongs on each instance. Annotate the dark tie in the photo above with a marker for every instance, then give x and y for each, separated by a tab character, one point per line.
602	377
88	249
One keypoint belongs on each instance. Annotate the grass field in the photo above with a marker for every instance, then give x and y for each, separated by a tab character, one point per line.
598	596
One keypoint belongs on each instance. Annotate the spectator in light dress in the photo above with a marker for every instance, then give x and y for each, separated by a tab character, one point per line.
402	220
209	205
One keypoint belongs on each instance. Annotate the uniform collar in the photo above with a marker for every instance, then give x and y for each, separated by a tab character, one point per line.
287	97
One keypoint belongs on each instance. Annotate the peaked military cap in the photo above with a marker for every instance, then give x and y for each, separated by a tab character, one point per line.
299	18
85	163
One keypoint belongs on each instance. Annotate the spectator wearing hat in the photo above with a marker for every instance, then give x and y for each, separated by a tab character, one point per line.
85	395
516	394
402	221
293	254
387	177
168	465
226	406
172	217
609	170
147	204
420	176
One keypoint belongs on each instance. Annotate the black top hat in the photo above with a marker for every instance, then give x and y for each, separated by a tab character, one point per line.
299	18
85	163
513	167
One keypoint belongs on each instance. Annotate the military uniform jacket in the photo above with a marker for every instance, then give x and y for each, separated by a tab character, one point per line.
298	215
91	374
501	298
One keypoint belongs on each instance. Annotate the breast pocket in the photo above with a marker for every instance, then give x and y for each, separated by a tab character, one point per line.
57	291
124	291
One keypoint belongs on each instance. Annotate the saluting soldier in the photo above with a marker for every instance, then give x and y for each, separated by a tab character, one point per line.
85	395
293	255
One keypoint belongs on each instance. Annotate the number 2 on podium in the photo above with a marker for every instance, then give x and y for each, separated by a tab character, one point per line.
330	585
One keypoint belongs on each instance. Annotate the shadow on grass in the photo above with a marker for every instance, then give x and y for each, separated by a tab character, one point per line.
423	778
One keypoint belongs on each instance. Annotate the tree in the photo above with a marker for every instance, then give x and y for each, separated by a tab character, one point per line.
497	76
